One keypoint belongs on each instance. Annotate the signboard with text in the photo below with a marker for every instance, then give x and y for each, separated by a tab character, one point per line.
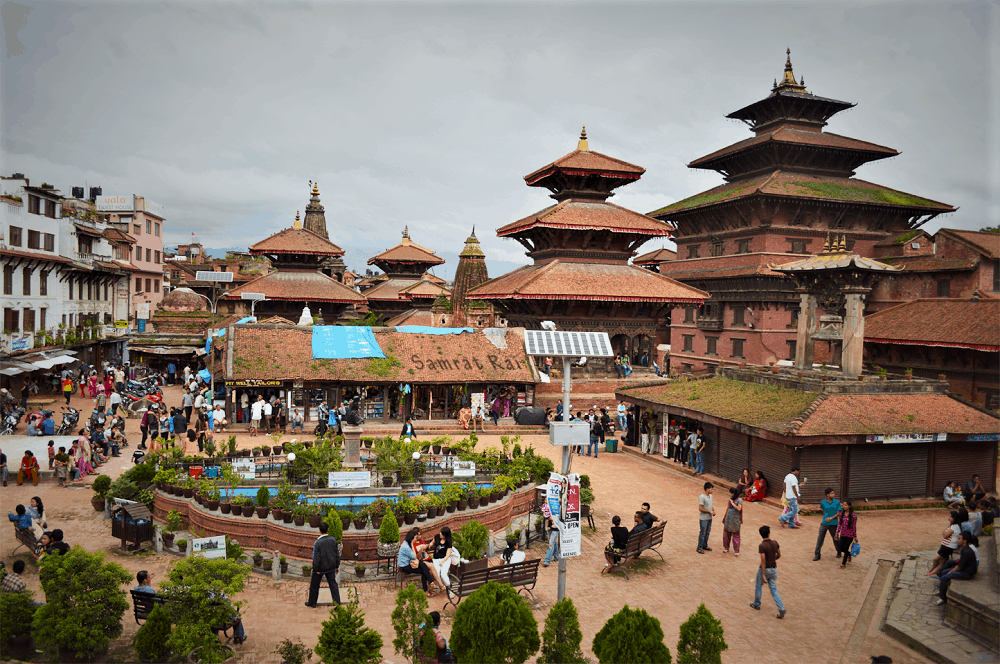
983	437
350	480
114	203
464	469
142	310
247	468
253	382
563	503
209	547
906	438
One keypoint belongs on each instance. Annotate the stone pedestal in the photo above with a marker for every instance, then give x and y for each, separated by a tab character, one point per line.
352	445
854	332
804	344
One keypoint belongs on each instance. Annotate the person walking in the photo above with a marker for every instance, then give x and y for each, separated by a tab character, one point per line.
792	496
770	552
705	514
326	562
621	415
595	435
188	402
847	531
692	447
256	412
699	467
67	388
732	522
831	519
245	407
553	551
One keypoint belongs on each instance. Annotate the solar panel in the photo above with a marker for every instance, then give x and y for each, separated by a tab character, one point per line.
567	344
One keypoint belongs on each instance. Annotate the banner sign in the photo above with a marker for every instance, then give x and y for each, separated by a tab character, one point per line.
571	536
906	438
209	547
349	480
19	344
247	468
464	469
112	203
142	310
121	323
253	382
983	437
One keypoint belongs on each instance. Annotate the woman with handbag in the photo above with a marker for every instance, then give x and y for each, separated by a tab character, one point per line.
732	522
847	531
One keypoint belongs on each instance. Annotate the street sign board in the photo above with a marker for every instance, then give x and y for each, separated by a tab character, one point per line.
253	296
569	434
207	275
567	344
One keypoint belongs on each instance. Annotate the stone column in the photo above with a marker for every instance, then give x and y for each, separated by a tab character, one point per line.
276	566
804	345
352	445
854	332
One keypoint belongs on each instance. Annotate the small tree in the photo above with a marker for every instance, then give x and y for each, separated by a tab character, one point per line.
562	636
263	497
494	624
346	640
84	602
631	637
151	641
388	532
701	639
408	617
336	529
16	613
471	540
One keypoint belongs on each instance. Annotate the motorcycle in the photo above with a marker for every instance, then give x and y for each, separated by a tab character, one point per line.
11	418
70	416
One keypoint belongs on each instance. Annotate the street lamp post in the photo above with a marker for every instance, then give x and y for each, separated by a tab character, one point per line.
214	303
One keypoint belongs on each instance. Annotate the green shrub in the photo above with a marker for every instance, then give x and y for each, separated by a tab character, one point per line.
293	653
346	640
494	624
562	636
631	637
151	641
124	488
101	486
584	481
471	540
263	497
336	530
143	472
388	532
541	468
409	616
174	521
702	639
16	614
74	584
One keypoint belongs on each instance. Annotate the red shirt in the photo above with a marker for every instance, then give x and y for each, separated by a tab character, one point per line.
28	463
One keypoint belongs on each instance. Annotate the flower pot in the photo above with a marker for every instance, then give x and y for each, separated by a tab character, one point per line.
168	539
496	496
188	493
98	504
775	370
474	503
284	567
387	549
387	480
421	516
410	519
437	449
377	522
286	517
463	505
314	520
268	564
451	506
360	572
306	570
584	510
212	505
144	485
446	451
432	512
256	452
277	513
192	657
244	453
299	520
258	560
485	500
248	510
160	485
262	512
182	547
359	524
345	523
225	507
277	449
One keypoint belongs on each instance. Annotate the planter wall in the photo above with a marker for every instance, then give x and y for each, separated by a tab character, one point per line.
296	543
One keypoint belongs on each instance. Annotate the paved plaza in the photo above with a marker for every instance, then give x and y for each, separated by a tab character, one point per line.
823	601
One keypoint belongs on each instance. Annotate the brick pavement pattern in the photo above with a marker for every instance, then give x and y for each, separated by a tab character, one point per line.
823	601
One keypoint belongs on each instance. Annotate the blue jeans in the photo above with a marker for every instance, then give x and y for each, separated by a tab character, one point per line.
946	582
595	444
793	509
621	422
771	574
705	526
553	552
700	464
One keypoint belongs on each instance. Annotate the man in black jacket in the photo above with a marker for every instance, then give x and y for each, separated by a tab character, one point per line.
326	562
966	567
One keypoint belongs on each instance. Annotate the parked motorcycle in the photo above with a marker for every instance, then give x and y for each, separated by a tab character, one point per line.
11	418
70	417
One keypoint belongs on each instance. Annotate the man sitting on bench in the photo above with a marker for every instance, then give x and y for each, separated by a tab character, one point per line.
144	578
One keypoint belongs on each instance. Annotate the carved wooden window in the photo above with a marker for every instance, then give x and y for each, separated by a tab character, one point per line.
738	348
739	315
711	345
717	248
743	246
688	314
693	250
689	342
944	288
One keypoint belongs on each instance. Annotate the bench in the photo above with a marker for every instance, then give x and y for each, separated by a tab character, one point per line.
26	537
522	576
144	603
647	540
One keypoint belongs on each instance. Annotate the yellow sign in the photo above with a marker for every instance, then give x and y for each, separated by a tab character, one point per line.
121	323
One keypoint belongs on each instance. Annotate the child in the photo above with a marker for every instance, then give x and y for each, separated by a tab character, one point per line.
52	453
61	466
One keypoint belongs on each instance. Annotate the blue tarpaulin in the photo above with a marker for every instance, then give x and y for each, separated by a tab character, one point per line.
206	375
337	343
423	329
222	332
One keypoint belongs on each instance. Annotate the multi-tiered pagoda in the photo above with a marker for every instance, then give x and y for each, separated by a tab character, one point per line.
581	278
406	284
786	188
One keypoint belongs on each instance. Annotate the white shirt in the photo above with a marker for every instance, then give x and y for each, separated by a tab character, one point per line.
267	408
256	409
245	400
199	401
791	481
516	557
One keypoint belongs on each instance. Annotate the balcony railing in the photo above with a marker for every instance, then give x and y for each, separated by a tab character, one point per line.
710	324
83	256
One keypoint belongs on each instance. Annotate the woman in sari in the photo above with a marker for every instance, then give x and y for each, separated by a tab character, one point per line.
758	491
81	448
107	384
93	384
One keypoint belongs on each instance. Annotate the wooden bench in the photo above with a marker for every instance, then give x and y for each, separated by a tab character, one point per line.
143	604
647	540
522	576
26	537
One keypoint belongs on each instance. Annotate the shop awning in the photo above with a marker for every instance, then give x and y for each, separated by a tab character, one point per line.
48	363
164	350
13	367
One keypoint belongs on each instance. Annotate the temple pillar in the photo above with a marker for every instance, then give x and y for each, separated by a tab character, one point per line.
804	344
352	445
852	354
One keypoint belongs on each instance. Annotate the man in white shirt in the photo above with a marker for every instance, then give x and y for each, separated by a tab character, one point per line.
267	416
792	496
245	407
256	412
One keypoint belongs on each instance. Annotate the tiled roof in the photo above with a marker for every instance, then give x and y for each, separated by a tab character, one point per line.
54	258
115	235
800	137
656	257
286	354
276	320
903	238
988	243
798	185
560	280
407	251
388	289
296	241
587	162
733	265
847	414
931	263
938	322
412	317
299	286
422	289
832	261
590	215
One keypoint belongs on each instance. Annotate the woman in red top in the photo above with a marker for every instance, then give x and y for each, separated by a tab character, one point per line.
758	491
29	468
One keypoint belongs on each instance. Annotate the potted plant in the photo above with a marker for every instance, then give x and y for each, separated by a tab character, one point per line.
345	518
283	564
263	502
182	545
314	517
225	506
277	449
307	570
436	448
360	519
293	653
586	498
268	564
388	537
100	487
540	523
258	558
471	494
359	569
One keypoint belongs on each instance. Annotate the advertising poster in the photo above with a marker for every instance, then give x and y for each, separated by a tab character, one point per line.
209	547
464	469
570	536
350	480
247	468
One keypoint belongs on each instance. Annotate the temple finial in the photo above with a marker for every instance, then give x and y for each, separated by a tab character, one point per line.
298	221
583	146
826	245
406	232
788	81
843	243
315	190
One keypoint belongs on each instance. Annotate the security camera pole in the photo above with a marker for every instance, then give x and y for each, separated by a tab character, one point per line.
566	434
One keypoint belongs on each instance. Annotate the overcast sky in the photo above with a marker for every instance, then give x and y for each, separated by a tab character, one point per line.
430	114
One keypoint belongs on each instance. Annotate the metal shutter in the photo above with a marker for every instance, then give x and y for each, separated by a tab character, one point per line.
711	434
887	471
772	459
734	454
959	461
822	465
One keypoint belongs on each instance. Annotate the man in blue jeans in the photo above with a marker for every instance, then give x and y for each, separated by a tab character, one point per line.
965	569
792	496
768	570
553	552
699	467
705	514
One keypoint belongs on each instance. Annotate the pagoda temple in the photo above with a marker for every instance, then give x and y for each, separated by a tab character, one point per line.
786	188
406	283
299	257
581	278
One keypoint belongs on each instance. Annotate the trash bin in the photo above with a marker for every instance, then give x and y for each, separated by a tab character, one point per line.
611	445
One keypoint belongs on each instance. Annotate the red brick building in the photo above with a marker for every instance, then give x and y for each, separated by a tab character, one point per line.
786	189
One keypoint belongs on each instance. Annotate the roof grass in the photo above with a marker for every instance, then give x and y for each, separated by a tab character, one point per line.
763	406
866	194
704	199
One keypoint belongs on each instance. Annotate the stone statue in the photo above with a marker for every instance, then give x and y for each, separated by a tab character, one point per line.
354	413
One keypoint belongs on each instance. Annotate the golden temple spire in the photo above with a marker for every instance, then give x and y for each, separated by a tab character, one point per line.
826	245
298	221
788	81
582	146
406	234
315	190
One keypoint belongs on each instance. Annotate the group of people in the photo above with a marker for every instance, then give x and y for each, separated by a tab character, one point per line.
31	517
961	539
144	578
